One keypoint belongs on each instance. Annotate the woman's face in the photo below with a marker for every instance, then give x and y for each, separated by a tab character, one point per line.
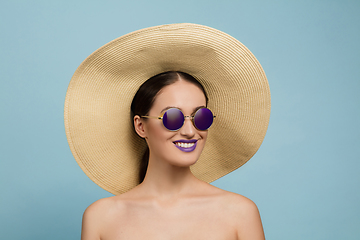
165	145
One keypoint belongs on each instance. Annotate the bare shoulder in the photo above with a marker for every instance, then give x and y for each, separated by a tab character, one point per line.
235	201
243	213
241	205
97	216
104	208
99	206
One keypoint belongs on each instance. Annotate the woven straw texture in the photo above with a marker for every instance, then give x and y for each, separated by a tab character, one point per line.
97	106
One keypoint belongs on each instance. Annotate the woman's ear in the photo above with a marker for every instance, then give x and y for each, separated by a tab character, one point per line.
139	126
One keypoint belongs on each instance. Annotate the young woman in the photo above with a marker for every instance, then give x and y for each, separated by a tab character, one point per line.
170	114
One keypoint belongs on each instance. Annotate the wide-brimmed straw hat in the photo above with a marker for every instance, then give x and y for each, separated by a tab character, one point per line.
97	107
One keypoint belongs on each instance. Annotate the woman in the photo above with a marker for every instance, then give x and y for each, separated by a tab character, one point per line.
170	112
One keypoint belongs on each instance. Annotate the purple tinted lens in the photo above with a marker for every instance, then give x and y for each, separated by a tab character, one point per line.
173	119
203	119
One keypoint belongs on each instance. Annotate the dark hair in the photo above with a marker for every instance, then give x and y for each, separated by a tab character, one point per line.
145	97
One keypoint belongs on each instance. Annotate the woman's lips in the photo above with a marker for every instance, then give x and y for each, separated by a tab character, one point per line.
186	145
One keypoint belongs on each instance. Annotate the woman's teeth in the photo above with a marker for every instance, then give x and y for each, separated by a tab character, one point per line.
184	145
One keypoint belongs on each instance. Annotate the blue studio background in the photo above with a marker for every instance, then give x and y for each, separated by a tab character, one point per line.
305	178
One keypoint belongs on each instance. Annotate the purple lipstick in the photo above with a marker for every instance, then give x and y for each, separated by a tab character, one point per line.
186	145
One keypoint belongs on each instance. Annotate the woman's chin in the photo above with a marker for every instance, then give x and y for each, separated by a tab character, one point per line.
187	160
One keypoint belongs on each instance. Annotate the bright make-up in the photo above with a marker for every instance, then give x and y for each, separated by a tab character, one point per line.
186	145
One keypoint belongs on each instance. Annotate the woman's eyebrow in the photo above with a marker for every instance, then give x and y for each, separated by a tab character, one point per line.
168	108
195	109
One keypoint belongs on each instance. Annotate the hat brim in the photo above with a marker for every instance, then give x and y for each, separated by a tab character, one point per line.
97	106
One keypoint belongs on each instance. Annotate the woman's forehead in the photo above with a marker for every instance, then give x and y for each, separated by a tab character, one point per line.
181	94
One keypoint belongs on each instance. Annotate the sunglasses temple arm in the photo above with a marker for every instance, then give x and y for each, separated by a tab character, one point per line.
151	117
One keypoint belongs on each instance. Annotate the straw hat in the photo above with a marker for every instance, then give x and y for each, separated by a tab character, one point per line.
97	106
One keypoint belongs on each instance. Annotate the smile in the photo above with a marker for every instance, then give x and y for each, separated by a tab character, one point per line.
186	145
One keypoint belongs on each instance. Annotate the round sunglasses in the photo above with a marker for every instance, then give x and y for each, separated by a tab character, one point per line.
173	119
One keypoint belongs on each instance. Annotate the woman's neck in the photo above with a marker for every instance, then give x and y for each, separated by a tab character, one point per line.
164	180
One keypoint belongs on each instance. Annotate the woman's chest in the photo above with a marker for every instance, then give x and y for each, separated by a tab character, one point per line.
171	224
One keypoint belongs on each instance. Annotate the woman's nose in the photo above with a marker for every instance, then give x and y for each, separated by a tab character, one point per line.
188	128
